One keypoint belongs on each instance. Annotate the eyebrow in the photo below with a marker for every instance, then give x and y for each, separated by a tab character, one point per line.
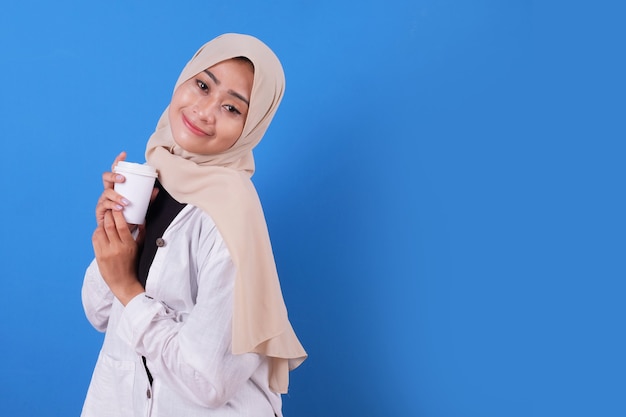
231	92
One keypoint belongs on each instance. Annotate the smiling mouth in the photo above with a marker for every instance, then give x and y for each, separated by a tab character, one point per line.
193	128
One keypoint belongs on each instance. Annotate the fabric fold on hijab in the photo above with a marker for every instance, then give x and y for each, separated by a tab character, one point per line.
220	185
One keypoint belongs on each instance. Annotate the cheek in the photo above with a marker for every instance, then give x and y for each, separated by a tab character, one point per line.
236	129
181	97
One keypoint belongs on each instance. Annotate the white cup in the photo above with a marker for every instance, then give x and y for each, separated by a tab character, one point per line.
137	189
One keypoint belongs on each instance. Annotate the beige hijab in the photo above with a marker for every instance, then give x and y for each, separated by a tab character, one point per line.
220	185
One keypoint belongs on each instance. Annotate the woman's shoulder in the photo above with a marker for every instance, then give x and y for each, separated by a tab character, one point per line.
193	217
196	227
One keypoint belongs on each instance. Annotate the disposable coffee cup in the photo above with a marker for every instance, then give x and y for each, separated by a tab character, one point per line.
137	189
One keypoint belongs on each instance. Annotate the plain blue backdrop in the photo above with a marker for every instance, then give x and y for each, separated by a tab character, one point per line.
443	183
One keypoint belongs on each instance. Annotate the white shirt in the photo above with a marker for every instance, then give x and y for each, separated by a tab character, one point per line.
182	324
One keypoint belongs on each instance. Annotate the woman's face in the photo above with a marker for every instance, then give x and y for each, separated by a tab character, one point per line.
207	112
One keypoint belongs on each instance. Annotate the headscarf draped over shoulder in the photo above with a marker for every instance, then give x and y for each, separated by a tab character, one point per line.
220	185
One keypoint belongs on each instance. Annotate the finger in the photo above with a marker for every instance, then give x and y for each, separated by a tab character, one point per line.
118	158
109	200
103	208
110	227
109	179
141	234
155	192
122	227
98	239
112	198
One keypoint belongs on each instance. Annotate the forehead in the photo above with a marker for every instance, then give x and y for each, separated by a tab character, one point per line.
234	64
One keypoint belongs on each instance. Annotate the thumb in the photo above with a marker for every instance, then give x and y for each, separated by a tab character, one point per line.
141	234
155	191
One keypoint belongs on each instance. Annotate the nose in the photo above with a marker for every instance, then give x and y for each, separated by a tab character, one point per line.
206	108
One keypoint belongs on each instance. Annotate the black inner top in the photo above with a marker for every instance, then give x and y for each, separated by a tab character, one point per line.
160	214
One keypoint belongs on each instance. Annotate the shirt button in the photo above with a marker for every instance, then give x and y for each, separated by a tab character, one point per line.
160	242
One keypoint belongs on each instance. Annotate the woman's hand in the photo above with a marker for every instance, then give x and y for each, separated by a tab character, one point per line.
116	254
109	199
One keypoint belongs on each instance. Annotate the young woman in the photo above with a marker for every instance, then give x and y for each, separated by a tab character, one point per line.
191	303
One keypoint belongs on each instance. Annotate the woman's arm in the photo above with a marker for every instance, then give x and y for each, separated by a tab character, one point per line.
97	298
193	353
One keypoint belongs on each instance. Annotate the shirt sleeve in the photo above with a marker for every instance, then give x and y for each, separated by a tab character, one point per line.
97	298
193	352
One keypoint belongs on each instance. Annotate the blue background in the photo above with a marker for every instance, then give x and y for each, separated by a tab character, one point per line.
443	184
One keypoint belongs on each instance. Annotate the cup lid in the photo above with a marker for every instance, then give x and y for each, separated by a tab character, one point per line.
135	168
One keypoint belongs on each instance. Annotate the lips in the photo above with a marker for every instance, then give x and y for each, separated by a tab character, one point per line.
193	128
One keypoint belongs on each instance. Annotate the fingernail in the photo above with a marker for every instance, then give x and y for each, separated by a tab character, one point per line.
125	201
119	177
118	207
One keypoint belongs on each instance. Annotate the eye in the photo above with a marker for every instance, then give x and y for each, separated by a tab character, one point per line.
202	85
232	109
